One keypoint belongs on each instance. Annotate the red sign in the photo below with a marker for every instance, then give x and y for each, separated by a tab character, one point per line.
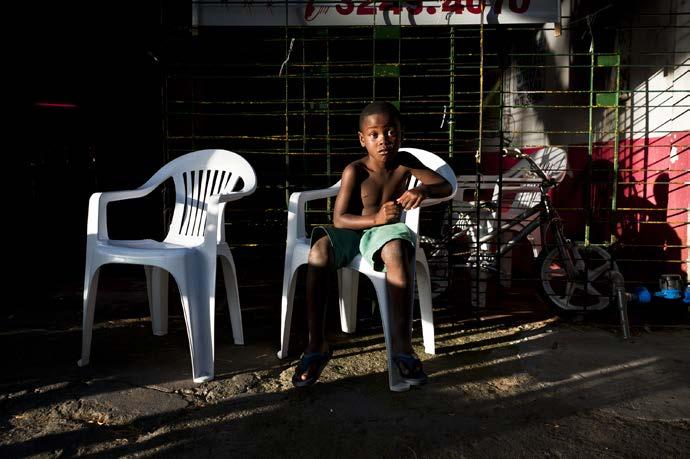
358	12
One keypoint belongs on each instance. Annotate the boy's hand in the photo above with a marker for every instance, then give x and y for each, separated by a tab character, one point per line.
411	199
388	213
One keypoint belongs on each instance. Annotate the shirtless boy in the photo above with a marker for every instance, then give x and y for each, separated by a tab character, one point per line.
366	216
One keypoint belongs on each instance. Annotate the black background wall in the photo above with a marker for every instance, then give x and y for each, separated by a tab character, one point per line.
90	120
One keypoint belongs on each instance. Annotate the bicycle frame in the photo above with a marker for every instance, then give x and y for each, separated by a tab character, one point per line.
572	277
548	218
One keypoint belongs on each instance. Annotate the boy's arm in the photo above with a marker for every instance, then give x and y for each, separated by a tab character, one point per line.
433	186
389	212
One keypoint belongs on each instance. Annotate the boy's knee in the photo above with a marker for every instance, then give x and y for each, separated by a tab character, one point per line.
320	253
396	251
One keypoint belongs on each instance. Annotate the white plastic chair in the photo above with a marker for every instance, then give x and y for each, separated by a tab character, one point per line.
520	185
297	252
204	182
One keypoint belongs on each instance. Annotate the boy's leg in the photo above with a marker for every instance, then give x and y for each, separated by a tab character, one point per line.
318	267
333	249
318	274
397	255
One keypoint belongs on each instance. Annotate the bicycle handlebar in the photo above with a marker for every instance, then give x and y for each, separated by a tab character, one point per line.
517	153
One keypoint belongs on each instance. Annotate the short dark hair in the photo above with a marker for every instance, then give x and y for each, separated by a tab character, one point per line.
376	108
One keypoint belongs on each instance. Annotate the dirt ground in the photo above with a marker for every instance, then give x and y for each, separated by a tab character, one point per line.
518	383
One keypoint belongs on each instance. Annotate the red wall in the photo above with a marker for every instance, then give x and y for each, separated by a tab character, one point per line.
653	196
652	199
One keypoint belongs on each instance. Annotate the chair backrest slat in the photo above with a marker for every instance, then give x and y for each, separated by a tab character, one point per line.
198	176
200	201
193	202
553	161
206	194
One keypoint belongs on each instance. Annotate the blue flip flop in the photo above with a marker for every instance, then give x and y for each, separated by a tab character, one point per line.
410	369
307	360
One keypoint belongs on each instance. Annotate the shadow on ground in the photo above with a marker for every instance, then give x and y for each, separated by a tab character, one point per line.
519	382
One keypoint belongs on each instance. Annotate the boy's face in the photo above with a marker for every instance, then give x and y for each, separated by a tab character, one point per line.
381	136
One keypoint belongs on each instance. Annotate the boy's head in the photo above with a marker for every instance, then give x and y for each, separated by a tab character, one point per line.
380	131
381	108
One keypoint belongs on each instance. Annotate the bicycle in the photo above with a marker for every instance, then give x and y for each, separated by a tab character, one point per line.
572	277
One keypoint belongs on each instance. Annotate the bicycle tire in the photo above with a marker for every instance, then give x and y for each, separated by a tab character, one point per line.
590	293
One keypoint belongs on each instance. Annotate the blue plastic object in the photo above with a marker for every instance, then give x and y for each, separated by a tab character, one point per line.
669	294
687	295
643	295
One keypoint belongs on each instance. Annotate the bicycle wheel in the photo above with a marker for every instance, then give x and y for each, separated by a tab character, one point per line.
590	290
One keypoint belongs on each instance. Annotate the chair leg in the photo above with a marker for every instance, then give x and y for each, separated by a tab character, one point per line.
395	382
232	292
90	288
478	287
536	241
348	284
286	303
157	289
198	305
289	278
506	263
425	306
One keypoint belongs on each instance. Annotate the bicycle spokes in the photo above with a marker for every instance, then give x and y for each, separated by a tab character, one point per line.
587	288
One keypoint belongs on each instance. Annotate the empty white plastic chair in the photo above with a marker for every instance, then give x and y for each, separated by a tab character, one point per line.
297	249
204	182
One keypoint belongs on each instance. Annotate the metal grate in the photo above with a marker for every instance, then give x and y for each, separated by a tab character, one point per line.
612	90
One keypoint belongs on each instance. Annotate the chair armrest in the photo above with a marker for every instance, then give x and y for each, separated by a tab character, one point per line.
518	184
491	182
233	196
469	182
214	231
97	220
433	201
247	189
303	197
295	222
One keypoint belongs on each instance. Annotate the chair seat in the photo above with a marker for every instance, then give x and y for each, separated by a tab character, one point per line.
142	244
360	264
140	250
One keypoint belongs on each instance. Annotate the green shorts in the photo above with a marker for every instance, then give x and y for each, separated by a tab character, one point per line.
348	243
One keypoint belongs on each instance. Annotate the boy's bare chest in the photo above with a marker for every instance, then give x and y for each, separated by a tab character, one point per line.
377	189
